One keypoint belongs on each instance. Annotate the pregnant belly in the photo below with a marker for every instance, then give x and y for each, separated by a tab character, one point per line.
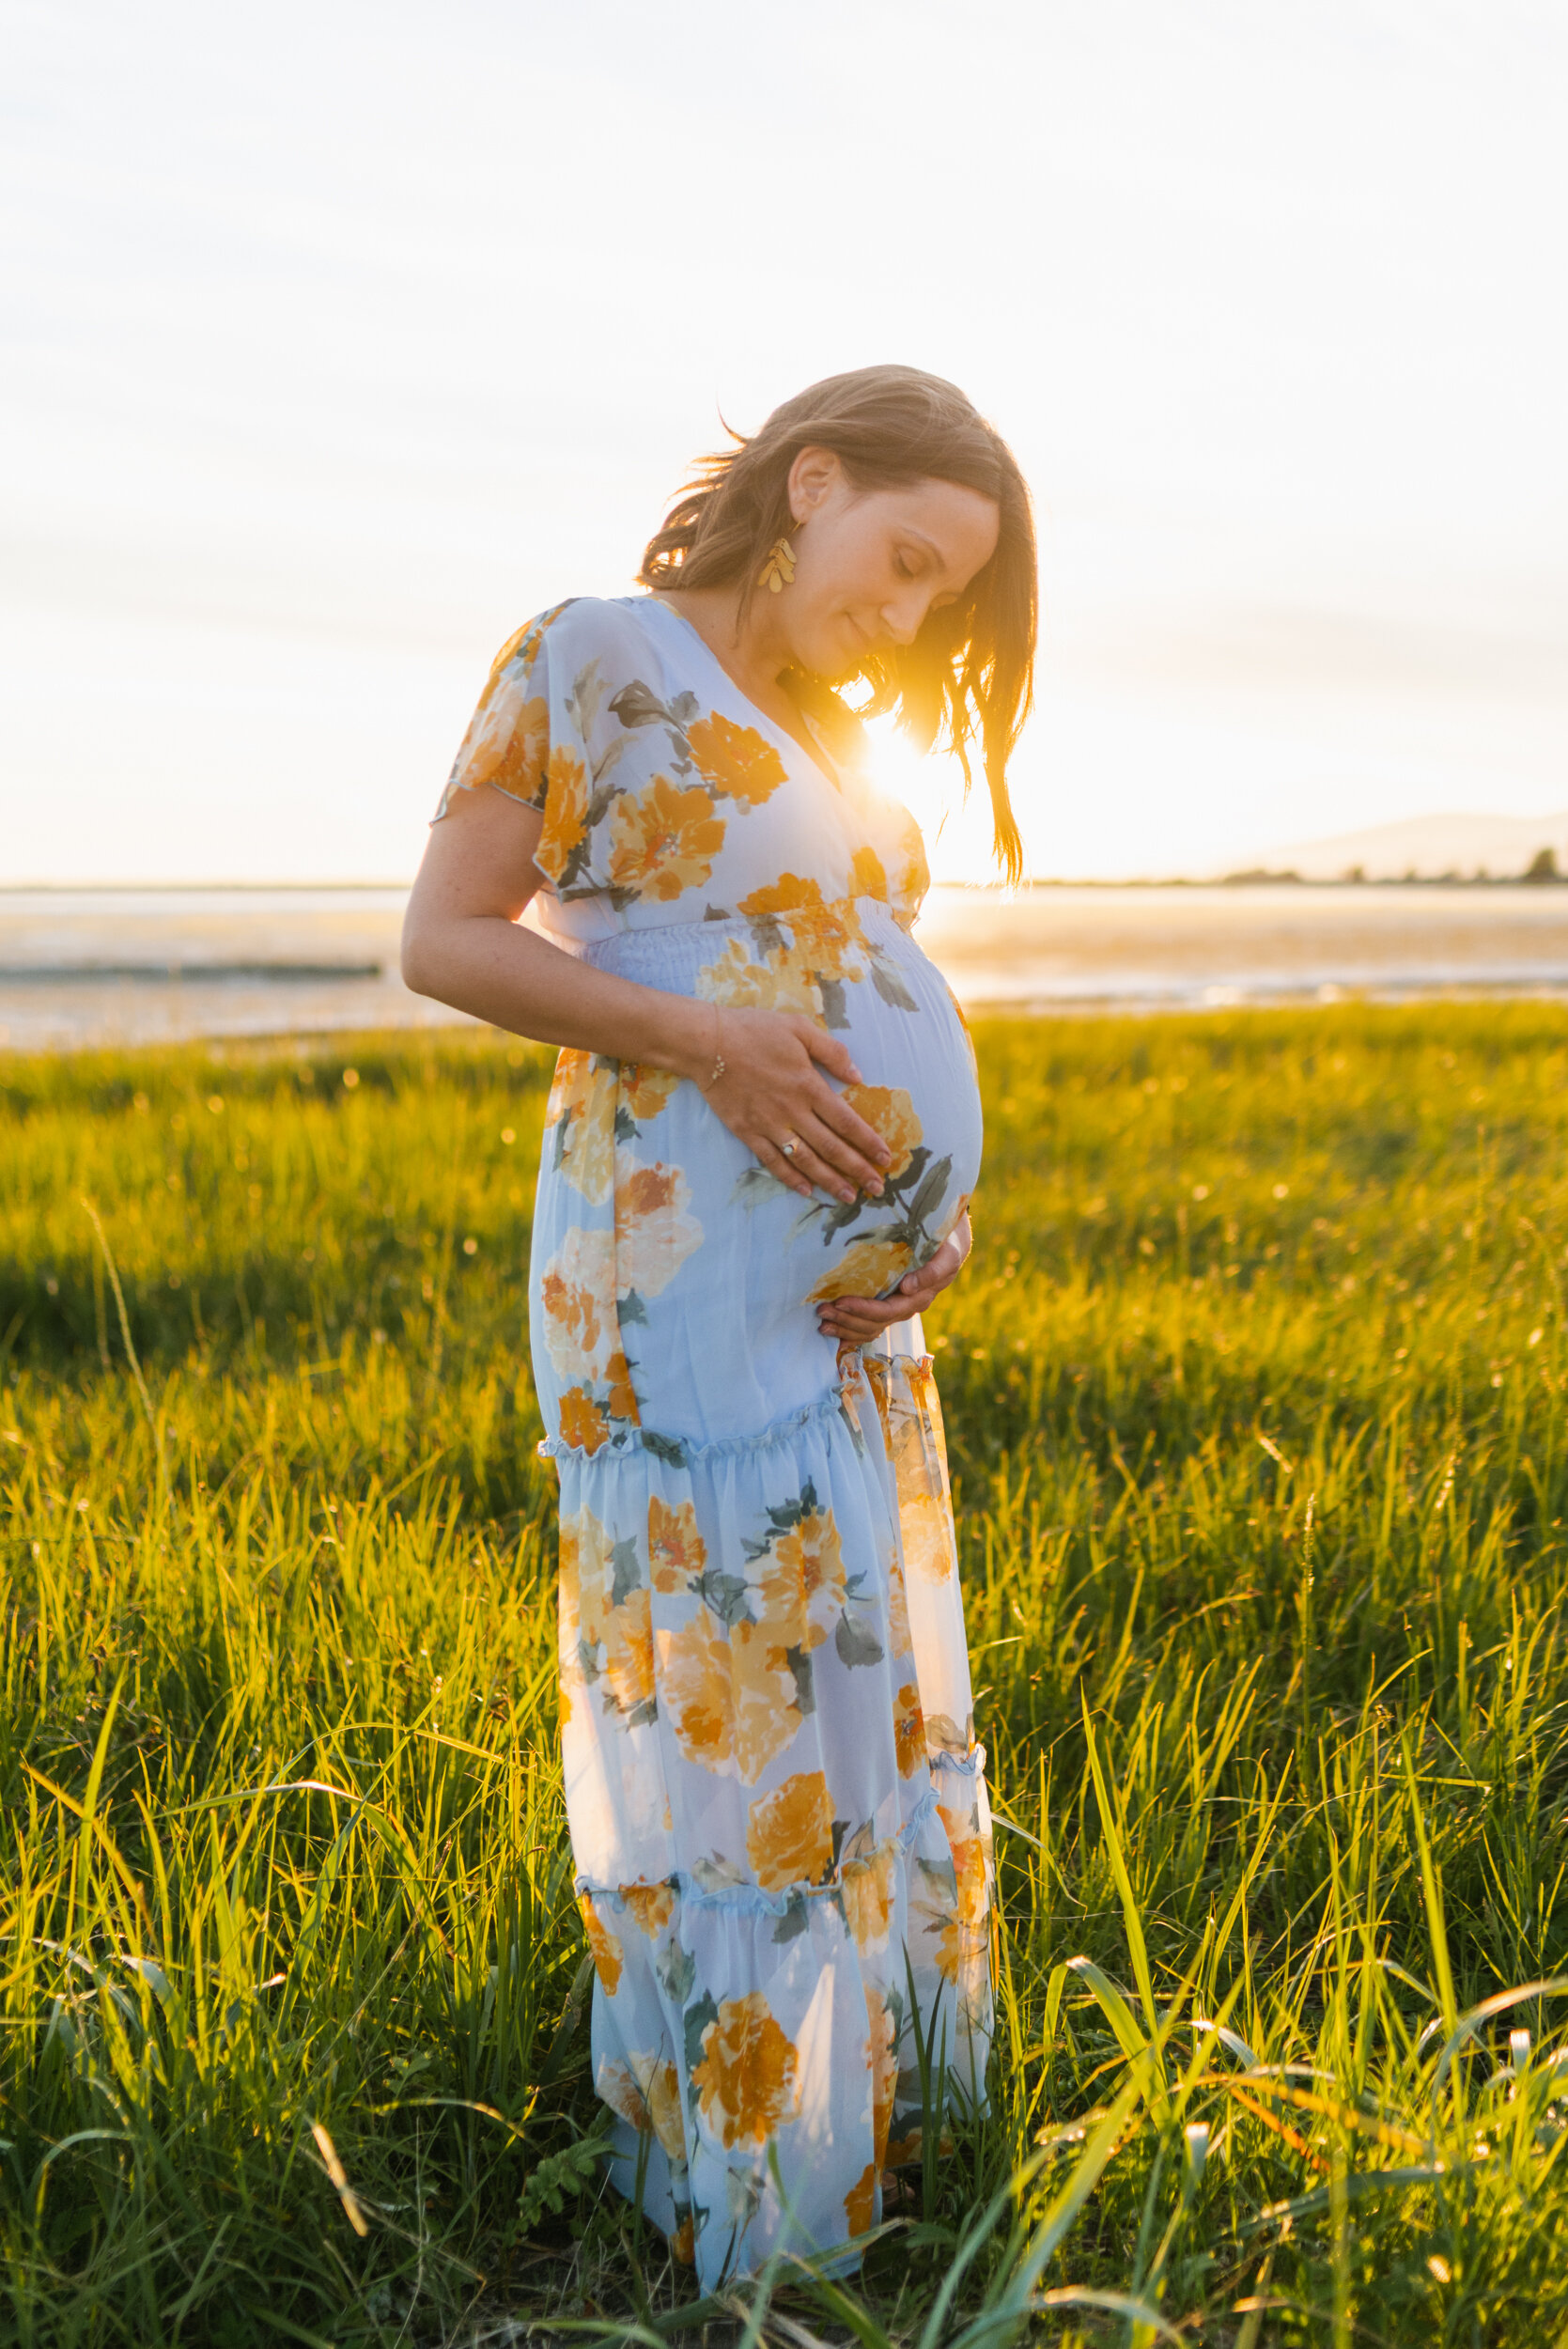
918	1091
717	1268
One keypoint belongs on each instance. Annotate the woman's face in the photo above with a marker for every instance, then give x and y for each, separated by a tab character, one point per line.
869	564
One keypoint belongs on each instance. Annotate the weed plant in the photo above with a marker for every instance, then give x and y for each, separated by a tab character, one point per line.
1255	1404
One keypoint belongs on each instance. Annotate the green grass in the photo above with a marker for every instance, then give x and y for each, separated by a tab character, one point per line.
1255	1403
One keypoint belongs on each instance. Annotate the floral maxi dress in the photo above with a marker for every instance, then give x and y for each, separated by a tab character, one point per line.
777	1807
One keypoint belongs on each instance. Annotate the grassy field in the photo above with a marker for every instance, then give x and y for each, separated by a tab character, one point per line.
1255	1394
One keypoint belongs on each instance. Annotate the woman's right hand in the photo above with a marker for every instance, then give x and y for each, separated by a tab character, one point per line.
773	1090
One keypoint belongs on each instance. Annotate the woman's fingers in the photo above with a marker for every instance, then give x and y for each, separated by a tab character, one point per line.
827	1051
804	1160
861	1318
849	1165
768	1154
857	1149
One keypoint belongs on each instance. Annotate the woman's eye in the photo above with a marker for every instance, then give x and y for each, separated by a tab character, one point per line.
904	570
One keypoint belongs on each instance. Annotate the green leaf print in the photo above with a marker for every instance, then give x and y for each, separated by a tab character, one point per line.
855	1643
889	984
755	1186
766	936
667	1448
630	1310
628	1572
676	1970
586	697
793	1922
831	992
798	1660
697	2017
638	705
725	1593
625	1124
920	1158
785	1516
929	1196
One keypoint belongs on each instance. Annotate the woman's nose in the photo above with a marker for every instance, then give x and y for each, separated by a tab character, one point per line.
902	619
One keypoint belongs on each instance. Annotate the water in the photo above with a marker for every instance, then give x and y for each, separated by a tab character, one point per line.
80	966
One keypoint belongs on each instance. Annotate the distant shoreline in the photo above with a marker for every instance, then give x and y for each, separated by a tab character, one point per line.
1261	878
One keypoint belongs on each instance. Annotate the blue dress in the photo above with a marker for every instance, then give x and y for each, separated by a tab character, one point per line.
777	1806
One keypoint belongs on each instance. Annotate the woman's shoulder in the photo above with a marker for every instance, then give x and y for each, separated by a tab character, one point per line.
586	627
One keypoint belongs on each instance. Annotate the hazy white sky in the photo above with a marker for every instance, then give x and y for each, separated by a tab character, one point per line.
338	337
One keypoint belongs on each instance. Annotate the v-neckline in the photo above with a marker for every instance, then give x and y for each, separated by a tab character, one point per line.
829	774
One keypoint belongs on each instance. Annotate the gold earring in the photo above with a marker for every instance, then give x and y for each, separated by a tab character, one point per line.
778	571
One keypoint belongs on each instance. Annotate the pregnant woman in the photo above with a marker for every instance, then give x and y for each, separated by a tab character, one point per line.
759	1150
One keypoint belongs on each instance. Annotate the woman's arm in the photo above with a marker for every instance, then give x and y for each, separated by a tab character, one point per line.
462	944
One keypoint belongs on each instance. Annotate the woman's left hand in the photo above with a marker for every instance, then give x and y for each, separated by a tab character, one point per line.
859	1319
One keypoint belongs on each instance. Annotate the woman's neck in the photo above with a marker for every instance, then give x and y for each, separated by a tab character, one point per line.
751	651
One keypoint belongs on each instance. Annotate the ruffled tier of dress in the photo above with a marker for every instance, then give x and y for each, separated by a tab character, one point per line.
784	1851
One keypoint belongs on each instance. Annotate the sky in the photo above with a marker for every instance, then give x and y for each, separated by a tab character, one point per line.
338	339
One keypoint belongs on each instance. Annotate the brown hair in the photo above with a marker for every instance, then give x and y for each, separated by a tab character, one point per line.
970	669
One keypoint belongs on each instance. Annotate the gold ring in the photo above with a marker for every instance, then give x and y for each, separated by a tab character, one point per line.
790	1146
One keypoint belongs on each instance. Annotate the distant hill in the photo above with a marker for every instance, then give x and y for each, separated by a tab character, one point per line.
1431	846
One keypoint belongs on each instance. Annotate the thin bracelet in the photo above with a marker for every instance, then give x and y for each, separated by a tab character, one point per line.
718	1069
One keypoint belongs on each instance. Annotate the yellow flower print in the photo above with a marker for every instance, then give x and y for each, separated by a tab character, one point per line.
822	934
866	1269
565	812
606	1948
908	1731
645	1091
866	1886
736	761
766	1713
646	2091
914	874
926	1530
694	1691
663	841
746	2082
899	1641
622	1400
582	1423
508	743
789	1833
881	2062
969	1863
659	2082
654	1234
859	2204
571	1085
892	1113
585	1557
803	1566
677	1550
578	1292
777	982
650	1906
583	1095
621	2094
866	871
876	1368
628	1650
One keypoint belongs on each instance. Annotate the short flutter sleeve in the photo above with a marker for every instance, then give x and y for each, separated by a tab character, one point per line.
508	740
564	706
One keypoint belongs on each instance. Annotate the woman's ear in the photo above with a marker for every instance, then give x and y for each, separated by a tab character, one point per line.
812	478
